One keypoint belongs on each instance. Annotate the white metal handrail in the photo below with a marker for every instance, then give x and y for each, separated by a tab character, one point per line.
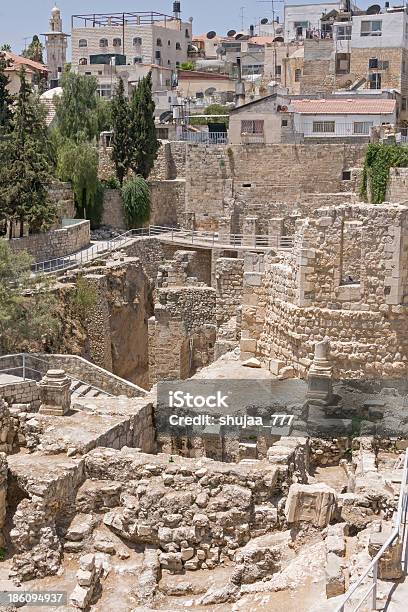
399	521
176	234
24	368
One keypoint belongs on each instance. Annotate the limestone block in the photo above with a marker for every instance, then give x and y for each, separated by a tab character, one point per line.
55	393
389	566
315	503
335	579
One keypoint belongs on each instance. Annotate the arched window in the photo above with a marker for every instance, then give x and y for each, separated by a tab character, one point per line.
82	42
117	42
178	46
83	61
103	42
168	43
137	41
187	33
159	42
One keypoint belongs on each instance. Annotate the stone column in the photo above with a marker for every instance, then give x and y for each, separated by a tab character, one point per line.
320	387
249	231
55	393
275	231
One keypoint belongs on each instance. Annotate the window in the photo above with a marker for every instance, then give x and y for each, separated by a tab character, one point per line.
137	41
169	43
284	123
158	55
117	42
178	46
374	79
252	126
371	28
403	66
346	176
373	62
187	33
104	90
278	70
177	64
362	127
343	32
403	104
103	42
83	61
298	74
82	43
159	42
324	127
384	65
137	60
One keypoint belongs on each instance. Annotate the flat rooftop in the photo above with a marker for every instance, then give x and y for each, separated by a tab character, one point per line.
100	20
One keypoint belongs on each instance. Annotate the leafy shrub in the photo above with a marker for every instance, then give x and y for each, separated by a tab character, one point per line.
136	201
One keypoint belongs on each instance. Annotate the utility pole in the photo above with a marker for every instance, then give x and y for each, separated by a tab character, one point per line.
272	5
242	17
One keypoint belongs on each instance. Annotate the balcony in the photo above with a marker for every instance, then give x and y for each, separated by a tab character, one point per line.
210	138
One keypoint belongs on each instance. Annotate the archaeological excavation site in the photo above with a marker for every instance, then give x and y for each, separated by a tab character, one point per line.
220	419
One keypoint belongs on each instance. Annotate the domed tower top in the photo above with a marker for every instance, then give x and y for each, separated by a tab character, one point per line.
56	21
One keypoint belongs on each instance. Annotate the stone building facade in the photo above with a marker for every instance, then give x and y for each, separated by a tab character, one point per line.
346	278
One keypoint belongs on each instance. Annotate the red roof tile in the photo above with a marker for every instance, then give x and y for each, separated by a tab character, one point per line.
343	106
18	61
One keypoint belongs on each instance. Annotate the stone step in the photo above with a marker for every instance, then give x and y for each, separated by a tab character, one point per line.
74	385
93	393
82	390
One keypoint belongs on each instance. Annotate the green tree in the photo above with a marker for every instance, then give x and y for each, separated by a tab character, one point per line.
34	50
27	307
143	129
6	99
76	108
213	109
26	170
78	163
136	201
5	47
187	66
122	145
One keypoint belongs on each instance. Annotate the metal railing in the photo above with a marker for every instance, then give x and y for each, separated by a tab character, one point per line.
212	138
399	531
27	370
178	235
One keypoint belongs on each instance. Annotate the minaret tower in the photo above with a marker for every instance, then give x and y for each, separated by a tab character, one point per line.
56	45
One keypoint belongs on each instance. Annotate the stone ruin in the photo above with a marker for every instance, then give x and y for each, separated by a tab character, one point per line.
100	503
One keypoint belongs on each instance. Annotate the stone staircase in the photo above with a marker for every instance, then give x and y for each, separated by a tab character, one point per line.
81	389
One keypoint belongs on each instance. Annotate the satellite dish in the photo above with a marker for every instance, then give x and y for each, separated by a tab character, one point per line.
278	39
211	35
374	9
221	51
166	116
264	21
239	35
231	33
210	91
279	30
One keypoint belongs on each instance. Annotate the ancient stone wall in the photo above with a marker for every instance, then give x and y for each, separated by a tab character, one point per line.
24	392
62	195
397	188
254	180
229	277
198	513
55	243
312	292
181	332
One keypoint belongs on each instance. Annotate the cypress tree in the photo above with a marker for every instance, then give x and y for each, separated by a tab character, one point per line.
23	189
6	100
122	145
76	110
143	129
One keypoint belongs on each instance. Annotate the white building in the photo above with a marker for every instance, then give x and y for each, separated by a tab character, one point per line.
334	118
131	38
303	20
383	30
